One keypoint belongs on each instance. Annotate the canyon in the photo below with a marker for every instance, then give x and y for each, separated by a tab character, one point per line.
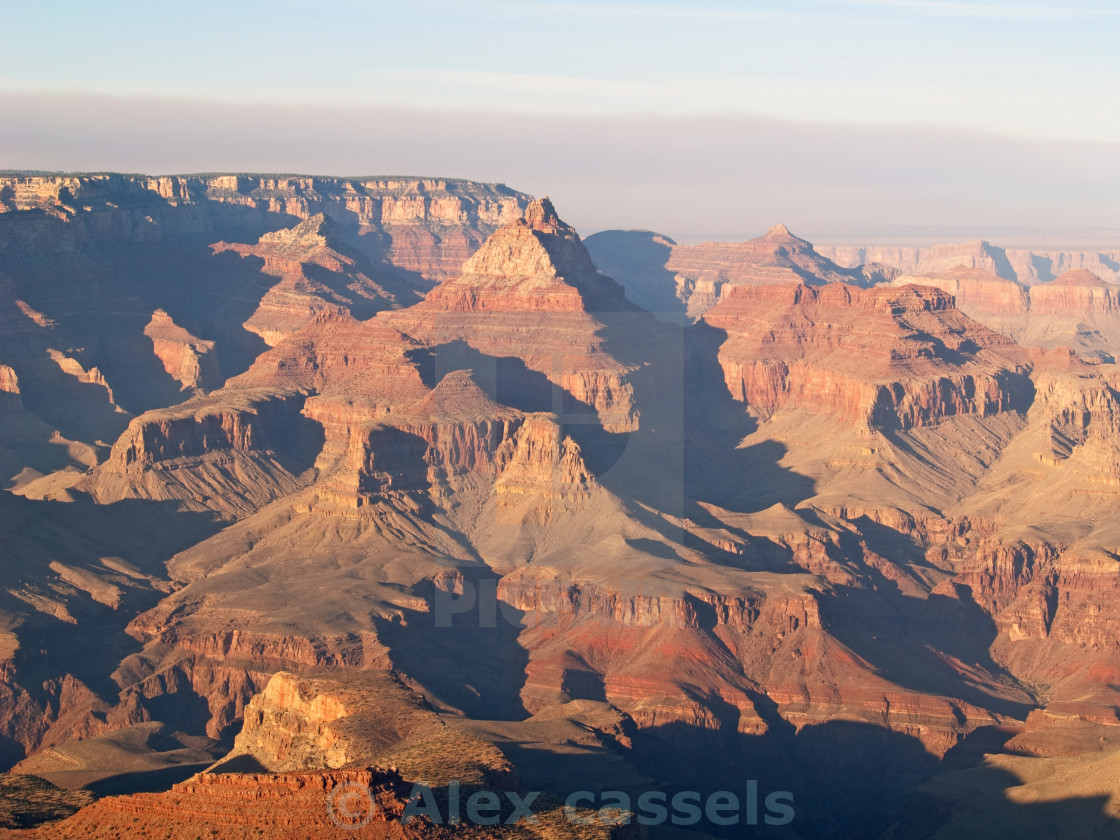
312	482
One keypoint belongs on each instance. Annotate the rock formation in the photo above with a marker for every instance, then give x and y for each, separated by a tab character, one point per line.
520	533
186	358
1077	310
533	304
876	357
701	274
315	276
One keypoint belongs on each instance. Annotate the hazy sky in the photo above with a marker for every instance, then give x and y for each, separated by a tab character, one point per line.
843	118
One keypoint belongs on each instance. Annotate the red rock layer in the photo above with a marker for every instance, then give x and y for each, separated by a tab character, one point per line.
705	271
286	805
532	293
188	359
315	276
1077	291
903	357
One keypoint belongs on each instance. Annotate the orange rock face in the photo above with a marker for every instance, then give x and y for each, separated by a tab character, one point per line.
532	294
876	357
1078	291
185	357
1077	310
287	805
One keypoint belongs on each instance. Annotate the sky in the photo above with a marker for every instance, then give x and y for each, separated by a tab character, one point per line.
848	120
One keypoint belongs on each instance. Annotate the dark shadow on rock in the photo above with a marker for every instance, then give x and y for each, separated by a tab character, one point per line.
583	684
717	470
1044	267
91	643
145	781
911	640
183	708
637	259
240	764
974	803
463	650
507	380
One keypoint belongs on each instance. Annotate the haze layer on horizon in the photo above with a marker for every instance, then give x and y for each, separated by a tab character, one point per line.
848	120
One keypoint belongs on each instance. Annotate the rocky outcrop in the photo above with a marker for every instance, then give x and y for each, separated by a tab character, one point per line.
228	455
1077	310
429	447
287	727
188	359
880	357
542	463
328	720
425	226
258	425
703	273
316	275
531	294
246	805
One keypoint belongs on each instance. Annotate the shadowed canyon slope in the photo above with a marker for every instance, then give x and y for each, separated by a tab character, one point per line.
385	473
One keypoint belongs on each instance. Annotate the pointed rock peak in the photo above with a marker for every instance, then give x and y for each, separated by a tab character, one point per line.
541	215
537	263
1079	277
780	235
458	395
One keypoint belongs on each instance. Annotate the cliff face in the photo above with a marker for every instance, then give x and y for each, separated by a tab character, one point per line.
426	226
875	357
1026	267
186	358
245	805
1077	310
704	271
287	727
315	276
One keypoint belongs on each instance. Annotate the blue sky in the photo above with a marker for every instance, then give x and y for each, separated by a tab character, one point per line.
1031	72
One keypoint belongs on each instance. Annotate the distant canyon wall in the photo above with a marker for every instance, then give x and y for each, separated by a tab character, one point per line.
1024	266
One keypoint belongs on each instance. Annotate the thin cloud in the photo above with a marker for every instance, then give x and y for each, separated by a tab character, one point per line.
695	178
699	12
1016	11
